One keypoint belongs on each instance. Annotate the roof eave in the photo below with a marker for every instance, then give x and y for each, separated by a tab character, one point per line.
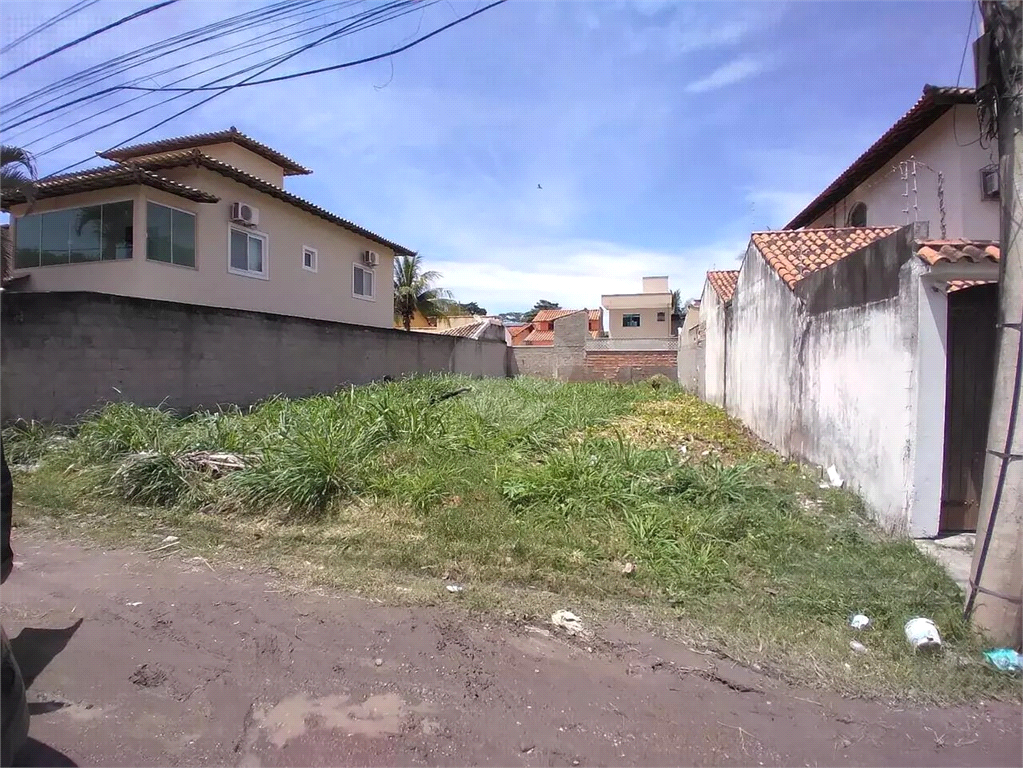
934	103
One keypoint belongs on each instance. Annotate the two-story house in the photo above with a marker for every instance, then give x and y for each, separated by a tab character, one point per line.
202	219
645	315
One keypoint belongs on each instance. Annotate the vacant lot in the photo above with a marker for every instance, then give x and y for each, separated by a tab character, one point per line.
638	503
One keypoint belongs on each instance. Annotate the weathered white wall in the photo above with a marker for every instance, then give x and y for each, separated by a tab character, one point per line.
860	386
712	317
967	213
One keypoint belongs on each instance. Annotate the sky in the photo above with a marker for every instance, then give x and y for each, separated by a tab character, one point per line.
544	149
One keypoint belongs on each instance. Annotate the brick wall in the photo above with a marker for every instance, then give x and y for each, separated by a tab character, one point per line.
633	365
65	353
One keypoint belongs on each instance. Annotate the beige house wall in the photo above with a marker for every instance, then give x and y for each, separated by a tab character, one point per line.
246	160
949	146
649	326
288	289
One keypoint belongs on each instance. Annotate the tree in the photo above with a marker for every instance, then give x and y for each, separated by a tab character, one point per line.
540	305
17	172
472	308
414	291
17	175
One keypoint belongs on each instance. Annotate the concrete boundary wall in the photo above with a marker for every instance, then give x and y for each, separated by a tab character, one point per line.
66	353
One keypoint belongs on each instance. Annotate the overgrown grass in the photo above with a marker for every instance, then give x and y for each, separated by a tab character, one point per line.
531	484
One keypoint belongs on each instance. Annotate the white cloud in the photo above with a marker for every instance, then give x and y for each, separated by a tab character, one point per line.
729	74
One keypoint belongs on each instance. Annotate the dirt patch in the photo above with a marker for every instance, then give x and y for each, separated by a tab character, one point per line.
148	677
291	679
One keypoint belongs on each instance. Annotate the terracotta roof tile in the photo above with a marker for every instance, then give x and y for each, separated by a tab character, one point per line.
958	285
538	339
596	314
794	254
197	157
933	251
723	282
934	103
233	135
470	331
108	177
547	315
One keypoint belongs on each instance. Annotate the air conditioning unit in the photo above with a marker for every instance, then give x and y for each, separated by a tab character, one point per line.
989	181
244	214
370	258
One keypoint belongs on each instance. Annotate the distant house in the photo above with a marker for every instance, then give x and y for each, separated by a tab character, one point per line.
863	335
419	320
645	315
482	328
540	332
202	219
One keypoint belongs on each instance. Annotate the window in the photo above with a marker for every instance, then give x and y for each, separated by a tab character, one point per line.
857	216
630	321
362	282
170	235
247	254
661	316
74	235
309	258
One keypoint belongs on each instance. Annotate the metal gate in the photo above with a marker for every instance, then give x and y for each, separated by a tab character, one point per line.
969	384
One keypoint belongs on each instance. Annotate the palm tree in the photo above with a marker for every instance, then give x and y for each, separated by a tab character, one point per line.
414	291
17	171
17	174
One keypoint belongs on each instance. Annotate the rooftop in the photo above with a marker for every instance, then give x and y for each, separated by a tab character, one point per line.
108	177
934	103
796	253
232	135
723	282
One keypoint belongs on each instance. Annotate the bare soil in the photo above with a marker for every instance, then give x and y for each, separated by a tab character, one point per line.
134	660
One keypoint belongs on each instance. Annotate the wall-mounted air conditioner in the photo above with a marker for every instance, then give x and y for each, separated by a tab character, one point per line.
370	258
244	214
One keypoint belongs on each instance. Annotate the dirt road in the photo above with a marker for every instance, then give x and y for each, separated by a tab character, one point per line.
136	661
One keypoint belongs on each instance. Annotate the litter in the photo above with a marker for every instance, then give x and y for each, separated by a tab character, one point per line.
1005	659
169	540
569	622
378	662
921	633
859	621
131	605
857	646
833	477
628	569
454	588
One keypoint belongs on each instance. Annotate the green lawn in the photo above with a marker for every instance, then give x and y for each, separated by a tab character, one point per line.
534	494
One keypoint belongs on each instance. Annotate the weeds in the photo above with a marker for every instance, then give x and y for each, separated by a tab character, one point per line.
539	484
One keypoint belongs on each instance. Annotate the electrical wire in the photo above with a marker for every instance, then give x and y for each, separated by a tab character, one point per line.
67	13
333	68
251	43
365	20
127	61
94	33
959	76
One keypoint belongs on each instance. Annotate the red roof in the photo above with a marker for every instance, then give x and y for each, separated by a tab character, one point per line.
723	282
933	251
796	253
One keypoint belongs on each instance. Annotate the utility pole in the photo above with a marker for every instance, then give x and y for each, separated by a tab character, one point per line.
994	602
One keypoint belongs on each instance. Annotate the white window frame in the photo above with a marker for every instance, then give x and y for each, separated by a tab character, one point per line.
373	296
195	226
265	274
316	259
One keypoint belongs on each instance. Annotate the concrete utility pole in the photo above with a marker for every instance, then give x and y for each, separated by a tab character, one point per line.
994	601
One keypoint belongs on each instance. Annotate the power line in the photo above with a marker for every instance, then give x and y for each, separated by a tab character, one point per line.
124	61
67	13
359	24
247	44
278	40
332	68
962	61
83	38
